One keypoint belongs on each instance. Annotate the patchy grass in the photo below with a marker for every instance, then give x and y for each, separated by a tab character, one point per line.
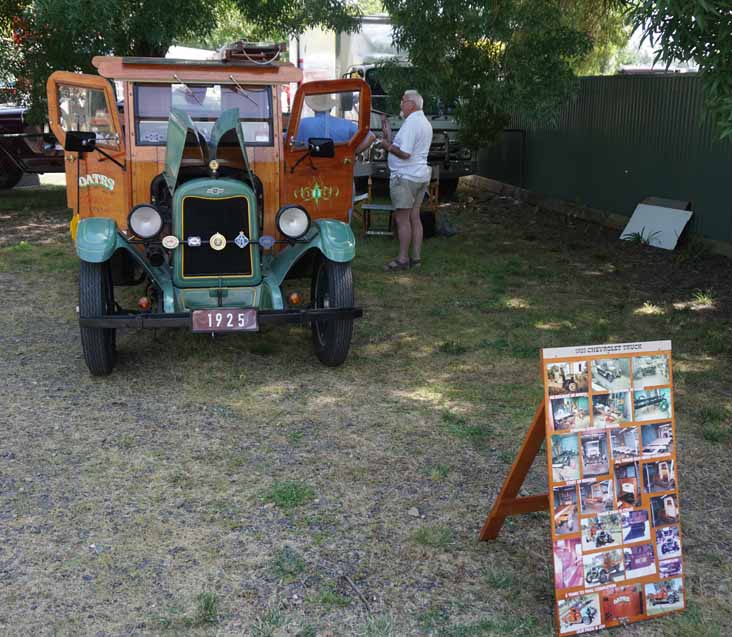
242	468
288	564
436	537
289	495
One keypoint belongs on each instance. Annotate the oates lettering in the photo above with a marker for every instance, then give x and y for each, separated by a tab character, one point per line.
95	179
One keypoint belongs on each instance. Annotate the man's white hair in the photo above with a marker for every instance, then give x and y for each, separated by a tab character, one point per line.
413	95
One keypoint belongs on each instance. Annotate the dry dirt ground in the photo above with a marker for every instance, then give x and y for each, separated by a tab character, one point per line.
237	487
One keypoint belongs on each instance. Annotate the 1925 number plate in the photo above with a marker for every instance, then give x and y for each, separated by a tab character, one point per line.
223	320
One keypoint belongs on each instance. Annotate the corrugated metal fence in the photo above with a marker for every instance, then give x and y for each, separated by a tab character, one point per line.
621	139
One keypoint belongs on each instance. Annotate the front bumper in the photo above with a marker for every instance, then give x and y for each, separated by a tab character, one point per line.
144	320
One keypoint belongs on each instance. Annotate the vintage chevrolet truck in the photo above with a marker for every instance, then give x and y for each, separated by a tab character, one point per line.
196	191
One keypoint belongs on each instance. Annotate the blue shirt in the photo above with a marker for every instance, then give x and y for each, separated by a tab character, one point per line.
325	125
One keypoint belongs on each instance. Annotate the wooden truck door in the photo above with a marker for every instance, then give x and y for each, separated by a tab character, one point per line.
335	109
95	183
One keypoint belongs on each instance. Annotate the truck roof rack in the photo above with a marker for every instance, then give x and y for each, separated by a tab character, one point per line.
261	53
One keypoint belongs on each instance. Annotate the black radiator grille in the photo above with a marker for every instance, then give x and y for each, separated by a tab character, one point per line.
203	218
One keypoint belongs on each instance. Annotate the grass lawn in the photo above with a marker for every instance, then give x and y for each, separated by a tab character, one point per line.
236	486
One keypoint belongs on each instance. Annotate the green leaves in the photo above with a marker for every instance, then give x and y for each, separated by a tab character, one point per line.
494	58
42	36
699	30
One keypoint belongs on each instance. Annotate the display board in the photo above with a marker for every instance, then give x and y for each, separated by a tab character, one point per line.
613	478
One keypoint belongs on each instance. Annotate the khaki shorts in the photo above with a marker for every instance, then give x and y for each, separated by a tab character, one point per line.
405	193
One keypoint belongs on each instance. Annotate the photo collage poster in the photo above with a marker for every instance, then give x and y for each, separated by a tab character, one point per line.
613	481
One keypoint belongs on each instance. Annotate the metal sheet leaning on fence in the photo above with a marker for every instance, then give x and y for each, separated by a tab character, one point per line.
613	479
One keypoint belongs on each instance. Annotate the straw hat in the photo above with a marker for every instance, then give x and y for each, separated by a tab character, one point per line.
321	102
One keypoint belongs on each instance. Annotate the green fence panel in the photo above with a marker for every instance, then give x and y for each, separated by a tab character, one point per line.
627	137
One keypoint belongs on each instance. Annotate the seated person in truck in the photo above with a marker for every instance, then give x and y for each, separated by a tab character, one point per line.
323	124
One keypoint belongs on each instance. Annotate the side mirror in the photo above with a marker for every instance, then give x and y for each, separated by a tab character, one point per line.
321	147
80	141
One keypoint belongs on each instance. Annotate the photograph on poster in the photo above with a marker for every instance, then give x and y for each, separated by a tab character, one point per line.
667	542
570	414
651	404
656	439
610	410
566	378
600	531
669	568
612	374
601	568
649	371
624	443
665	596
565	457
568	563
597	497
659	476
639	561
595	460
636	526
565	510
622	602
664	510
627	484
577	613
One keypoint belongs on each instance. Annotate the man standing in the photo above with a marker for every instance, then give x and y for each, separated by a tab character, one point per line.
410	177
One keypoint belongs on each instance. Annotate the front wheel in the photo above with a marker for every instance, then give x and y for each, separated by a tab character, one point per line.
332	287
96	298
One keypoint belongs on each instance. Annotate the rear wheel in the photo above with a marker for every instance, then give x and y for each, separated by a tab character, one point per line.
332	287
96	298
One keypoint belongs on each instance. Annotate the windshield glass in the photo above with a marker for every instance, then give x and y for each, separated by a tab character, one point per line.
204	103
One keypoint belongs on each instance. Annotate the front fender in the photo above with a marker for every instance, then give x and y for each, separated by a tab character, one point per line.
332	238
96	239
336	240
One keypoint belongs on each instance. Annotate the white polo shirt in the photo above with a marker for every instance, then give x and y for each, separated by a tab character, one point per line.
414	137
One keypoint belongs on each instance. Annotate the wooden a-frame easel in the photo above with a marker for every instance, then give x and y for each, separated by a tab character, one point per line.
507	503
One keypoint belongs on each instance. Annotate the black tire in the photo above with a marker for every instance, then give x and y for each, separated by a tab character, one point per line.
96	297
332	286
448	187
10	174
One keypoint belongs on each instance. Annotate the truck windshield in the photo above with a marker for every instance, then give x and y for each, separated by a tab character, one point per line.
204	103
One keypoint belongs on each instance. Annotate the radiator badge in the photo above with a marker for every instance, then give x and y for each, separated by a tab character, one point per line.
241	240
215	191
95	179
217	241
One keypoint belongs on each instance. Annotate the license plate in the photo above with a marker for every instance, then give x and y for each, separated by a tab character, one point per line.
223	320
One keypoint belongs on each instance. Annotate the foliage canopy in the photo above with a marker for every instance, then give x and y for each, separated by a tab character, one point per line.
41	36
699	30
491	58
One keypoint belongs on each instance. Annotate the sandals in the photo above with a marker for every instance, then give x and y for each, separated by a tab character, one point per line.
415	263
395	265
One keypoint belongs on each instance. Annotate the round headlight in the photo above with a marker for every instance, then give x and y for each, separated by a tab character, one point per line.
145	221
293	221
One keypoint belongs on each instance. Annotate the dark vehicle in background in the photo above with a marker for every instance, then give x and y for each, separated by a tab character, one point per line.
25	149
452	158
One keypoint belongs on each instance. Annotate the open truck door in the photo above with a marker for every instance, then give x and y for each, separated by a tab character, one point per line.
83	116
329	120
